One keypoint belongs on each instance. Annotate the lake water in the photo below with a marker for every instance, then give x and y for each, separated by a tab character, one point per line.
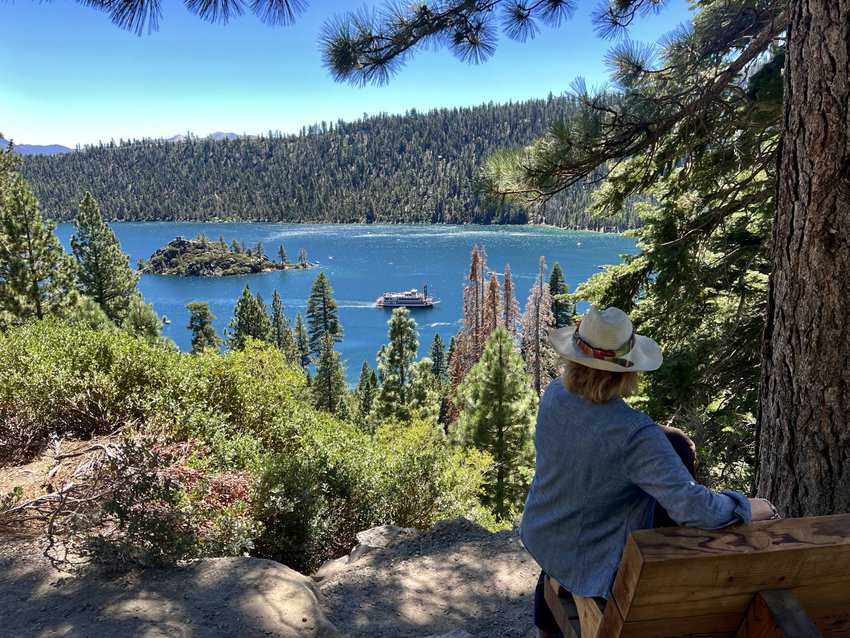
362	262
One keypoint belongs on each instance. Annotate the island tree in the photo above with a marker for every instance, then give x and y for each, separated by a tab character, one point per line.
103	270
201	324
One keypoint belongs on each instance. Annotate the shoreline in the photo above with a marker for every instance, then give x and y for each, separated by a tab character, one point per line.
224	222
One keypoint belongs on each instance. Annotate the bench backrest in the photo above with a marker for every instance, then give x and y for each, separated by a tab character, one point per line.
689	582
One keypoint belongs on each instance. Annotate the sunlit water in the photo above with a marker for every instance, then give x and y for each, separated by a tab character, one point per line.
362	262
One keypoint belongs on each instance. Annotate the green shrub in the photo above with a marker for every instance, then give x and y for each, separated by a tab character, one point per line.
265	472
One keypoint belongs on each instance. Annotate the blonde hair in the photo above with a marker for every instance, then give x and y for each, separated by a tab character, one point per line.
598	386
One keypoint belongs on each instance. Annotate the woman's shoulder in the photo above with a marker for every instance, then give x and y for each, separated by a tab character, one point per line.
616	413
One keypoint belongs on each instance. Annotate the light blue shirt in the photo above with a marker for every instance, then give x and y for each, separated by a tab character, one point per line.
600	469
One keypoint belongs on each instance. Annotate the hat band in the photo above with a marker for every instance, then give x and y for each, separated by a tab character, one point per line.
612	356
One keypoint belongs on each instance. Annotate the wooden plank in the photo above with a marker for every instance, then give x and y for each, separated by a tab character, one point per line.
566	617
628	575
777	614
685	572
589	615
708	626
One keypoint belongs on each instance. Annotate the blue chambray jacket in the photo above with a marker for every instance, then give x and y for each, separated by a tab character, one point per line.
600	469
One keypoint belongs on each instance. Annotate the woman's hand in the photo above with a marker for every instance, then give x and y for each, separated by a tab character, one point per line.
763	510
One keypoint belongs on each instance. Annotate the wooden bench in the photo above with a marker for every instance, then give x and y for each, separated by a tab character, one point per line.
772	579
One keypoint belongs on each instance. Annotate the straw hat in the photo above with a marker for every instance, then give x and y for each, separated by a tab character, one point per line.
605	340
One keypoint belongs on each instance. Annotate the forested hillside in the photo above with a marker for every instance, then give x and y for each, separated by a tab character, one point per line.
389	168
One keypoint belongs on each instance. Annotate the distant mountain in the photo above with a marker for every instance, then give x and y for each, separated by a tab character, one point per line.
218	135
416	167
37	149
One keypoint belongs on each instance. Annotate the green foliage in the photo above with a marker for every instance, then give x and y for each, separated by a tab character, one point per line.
439	360
301	483
36	276
417	167
562	307
141	319
395	363
322	314
302	341
103	271
200	323
498	408
367	388
329	390
281	333
250	320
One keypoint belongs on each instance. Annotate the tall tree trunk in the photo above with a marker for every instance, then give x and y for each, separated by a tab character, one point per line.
804	421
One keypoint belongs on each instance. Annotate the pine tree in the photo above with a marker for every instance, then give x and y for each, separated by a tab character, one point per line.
142	319
329	383
366	389
395	361
36	276
538	354
200	323
302	343
281	253
249	320
236	247
497	415
281	333
302	257
103	270
492	314
260	250
322	314
510	306
438	359
562	308
222	244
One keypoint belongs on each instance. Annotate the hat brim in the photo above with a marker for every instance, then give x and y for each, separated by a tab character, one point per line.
645	355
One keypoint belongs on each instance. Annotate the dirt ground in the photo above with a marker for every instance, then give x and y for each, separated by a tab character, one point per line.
455	576
215	598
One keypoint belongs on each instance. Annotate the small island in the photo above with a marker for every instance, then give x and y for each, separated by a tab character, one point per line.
202	257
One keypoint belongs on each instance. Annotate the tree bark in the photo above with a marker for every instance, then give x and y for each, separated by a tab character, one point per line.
804	420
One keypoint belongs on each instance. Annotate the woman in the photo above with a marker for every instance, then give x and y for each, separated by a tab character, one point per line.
602	466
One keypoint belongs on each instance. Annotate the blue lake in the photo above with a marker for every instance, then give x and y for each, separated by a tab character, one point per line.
362	262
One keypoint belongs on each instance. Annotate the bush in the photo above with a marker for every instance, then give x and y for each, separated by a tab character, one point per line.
260	469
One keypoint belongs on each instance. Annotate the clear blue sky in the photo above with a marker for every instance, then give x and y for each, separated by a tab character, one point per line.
69	76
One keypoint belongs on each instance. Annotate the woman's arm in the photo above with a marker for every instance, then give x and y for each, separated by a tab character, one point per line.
652	464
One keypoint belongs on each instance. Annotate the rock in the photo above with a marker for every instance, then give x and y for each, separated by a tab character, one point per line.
381	537
432	583
457	633
216	598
